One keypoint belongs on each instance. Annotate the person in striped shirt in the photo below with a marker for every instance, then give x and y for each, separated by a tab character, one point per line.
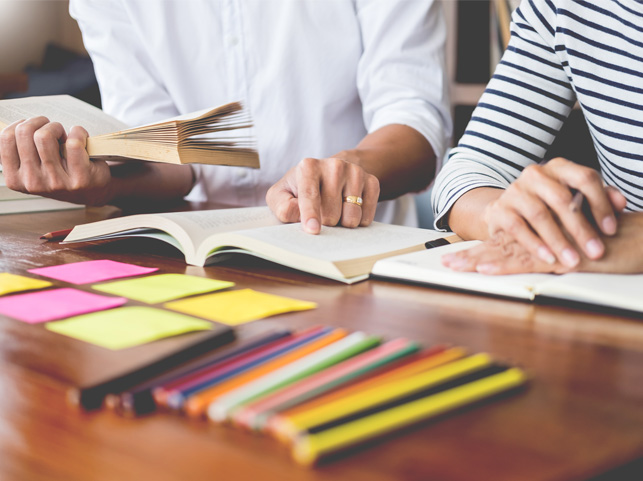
496	186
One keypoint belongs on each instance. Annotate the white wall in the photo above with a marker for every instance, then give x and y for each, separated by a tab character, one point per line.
26	26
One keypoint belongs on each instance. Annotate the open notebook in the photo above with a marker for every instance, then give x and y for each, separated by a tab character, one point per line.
609	290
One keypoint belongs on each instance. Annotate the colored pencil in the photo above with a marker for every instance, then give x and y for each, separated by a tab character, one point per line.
309	448
278	425
414	395
140	400
195	377
353	344
91	397
56	235
196	405
254	415
380	394
174	393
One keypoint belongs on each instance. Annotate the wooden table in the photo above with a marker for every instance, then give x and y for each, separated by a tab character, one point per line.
581	416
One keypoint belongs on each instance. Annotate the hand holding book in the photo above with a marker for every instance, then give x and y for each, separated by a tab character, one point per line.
33	162
47	154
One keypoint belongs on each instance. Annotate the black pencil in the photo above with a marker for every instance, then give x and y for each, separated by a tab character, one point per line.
92	397
140	399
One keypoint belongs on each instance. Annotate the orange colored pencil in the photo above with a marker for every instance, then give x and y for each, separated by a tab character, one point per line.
273	426
196	405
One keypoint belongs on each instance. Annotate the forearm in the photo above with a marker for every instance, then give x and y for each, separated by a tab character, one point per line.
148	182
467	216
399	156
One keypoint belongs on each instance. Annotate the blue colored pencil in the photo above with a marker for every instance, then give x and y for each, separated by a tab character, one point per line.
140	400
177	397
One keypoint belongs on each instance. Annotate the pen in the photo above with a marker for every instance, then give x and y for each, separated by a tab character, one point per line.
577	201
443	241
56	235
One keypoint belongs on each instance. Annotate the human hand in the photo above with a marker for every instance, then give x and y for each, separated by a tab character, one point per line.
314	192
32	162
536	209
504	255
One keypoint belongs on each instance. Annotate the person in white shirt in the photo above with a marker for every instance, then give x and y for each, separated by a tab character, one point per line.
348	99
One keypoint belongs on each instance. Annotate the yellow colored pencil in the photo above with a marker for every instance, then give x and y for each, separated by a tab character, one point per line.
376	395
276	422
309	448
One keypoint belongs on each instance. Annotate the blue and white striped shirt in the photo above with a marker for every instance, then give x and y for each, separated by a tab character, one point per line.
561	51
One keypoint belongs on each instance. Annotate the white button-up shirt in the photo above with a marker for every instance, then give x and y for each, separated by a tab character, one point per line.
316	75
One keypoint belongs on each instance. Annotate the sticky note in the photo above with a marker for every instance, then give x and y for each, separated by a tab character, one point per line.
91	271
163	287
127	326
15	283
237	307
53	304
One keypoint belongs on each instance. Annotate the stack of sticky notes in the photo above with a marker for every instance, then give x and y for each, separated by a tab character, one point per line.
104	320
325	389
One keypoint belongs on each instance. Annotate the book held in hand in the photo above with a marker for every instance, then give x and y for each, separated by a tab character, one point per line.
618	291
221	135
339	253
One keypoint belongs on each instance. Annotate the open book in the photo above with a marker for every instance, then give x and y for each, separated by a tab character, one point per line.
609	290
222	135
338	253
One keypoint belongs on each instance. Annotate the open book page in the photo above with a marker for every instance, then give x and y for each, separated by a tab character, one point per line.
426	267
335	244
65	109
613	290
184	230
203	224
337	252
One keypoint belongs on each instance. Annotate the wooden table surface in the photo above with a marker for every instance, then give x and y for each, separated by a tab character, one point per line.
580	417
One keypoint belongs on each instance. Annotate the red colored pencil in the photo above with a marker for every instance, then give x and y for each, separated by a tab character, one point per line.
56	235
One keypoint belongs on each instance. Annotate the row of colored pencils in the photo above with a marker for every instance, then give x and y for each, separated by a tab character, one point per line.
323	389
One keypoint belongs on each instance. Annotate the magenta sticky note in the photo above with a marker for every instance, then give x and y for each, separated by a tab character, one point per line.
54	304
91	271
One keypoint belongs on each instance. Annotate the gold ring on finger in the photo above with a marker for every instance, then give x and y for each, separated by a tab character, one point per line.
354	199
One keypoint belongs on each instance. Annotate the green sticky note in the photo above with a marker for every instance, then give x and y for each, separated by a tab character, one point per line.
237	307
127	326
163	287
15	283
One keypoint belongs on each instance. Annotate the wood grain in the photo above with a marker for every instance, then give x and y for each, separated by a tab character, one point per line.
580	416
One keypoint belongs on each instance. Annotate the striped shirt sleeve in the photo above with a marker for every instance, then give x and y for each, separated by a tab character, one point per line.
517	118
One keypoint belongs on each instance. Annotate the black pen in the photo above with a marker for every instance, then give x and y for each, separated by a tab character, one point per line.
442	241
577	201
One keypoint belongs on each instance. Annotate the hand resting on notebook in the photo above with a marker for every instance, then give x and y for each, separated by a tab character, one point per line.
504	255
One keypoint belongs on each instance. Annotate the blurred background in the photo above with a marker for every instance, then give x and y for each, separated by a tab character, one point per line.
42	53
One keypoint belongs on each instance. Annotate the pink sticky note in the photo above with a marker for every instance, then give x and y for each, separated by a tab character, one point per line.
91	271
54	304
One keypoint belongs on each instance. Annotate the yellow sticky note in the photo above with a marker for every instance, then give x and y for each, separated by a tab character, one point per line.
237	307
15	283
127	326
162	287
